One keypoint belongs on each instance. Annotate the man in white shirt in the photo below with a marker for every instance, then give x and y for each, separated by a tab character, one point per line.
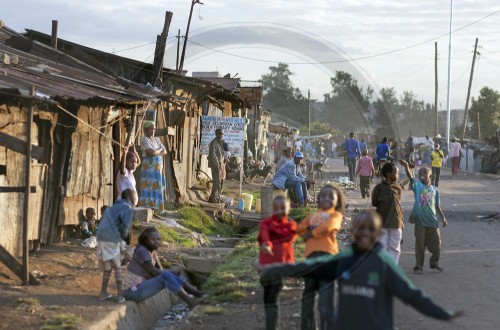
455	151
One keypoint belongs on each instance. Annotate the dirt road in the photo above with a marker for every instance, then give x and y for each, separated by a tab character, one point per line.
470	256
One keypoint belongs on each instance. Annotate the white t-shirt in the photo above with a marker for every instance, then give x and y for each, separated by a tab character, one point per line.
124	182
298	145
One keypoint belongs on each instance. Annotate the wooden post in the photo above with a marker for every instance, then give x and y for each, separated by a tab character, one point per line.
161	42
464	126
53	40
436	131
178	47
181	64
27	190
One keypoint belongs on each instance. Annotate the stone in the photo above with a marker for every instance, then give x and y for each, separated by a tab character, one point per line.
201	265
143	214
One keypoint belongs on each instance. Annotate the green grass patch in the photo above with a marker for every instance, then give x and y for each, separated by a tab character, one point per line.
63	321
300	213
235	276
213	310
196	219
55	307
28	301
176	236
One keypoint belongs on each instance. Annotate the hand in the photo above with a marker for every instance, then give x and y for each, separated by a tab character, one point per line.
311	181
457	314
266	249
445	222
132	148
125	150
404	163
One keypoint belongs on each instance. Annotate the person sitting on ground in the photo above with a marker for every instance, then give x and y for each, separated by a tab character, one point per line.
145	277
289	177
89	224
276	236
319	231
368	280
287	155
113	229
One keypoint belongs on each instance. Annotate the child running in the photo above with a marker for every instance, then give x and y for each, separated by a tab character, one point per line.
319	231
387	199
423	215
368	280
365	171
276	235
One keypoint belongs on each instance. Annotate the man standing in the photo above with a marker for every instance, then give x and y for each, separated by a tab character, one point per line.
430	147
437	162
353	152
455	150
362	145
308	148
289	177
216	162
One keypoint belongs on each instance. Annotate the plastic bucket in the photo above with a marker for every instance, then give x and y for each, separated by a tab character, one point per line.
257	205
248	201
241	205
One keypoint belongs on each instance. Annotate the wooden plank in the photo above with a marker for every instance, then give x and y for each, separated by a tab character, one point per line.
17	189
18	145
8	260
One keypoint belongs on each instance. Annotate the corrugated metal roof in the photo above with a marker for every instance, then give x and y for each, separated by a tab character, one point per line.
231	84
56	74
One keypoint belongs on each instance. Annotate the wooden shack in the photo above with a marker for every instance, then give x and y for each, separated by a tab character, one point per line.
80	118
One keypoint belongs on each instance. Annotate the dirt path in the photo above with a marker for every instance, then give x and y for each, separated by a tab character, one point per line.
470	256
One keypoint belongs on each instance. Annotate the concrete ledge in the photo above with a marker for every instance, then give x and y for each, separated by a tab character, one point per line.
136	316
143	214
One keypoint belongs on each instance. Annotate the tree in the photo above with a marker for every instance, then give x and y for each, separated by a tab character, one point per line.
386	106
347	104
484	113
319	128
282	98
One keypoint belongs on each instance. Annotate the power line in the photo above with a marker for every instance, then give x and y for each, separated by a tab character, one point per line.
352	59
139	46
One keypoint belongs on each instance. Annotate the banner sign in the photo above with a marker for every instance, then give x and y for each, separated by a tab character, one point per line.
233	129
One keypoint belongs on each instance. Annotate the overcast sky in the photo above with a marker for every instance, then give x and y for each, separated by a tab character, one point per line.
246	37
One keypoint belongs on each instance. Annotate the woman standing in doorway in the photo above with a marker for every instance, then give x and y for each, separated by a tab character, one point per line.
153	183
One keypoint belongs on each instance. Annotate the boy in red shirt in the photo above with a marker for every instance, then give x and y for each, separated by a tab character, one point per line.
276	235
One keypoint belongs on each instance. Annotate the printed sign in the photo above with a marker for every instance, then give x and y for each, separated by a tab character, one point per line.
233	129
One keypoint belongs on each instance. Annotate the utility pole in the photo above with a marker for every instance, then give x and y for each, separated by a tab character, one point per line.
436	132
309	109
161	41
178	47
464	126
448	98
53	38
181	64
478	127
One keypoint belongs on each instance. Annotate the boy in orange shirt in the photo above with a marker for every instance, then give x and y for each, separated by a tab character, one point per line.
276	235
319	231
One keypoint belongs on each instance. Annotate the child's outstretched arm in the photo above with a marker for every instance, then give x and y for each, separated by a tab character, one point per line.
406	166
401	286
324	266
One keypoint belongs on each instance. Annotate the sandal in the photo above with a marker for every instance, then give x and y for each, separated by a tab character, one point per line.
105	297
120	300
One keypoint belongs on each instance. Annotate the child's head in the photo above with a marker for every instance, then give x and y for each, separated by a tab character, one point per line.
90	213
364	152
390	172
366	229
330	196
103	208
130	161
281	206
150	238
425	175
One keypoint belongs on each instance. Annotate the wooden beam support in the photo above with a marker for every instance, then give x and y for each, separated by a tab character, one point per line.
18	145
11	262
17	189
